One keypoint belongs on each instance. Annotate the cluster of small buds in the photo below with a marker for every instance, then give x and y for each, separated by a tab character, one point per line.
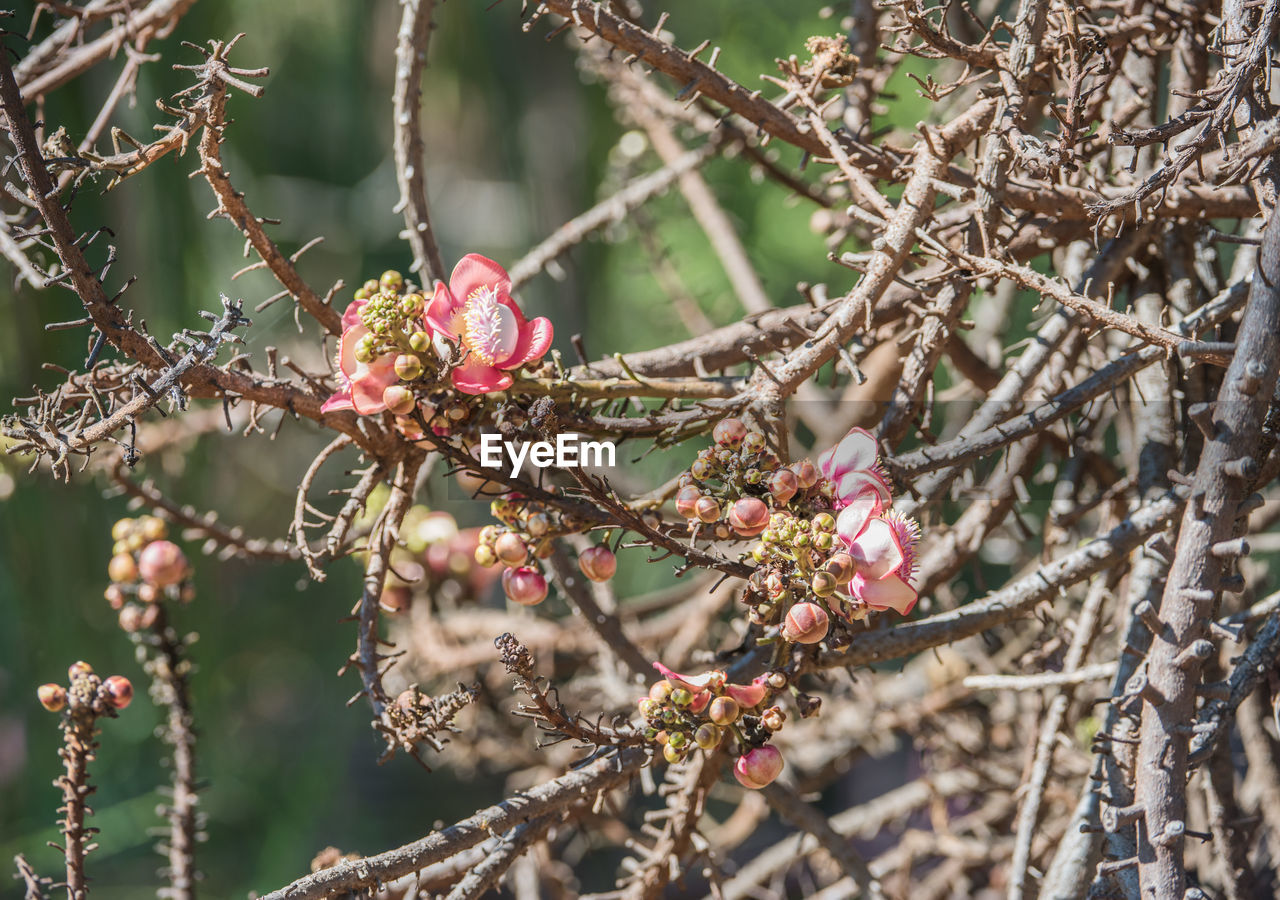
147	567
802	570
733	485
684	713
86	693
393	314
526	536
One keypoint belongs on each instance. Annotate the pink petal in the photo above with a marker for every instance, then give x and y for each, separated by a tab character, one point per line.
856	450
858	481
369	381
474	377
476	271
339	400
694	683
441	312
700	701
854	517
535	341
887	593
347	349
876	552
747	695
351	315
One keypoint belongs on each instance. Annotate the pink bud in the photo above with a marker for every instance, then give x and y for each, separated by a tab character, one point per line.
78	668
399	400
52	696
162	563
598	563
759	767
749	516
525	585
729	432
687	501
783	485
707	509
806	474
806	623
511	549
119	691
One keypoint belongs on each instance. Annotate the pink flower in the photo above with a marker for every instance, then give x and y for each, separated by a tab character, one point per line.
747	695
476	310
853	470
883	551
362	384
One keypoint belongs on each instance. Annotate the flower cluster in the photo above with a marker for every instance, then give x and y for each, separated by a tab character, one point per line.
145	568
685	712
880	540
732	485
526	536
86	693
397	345
830	546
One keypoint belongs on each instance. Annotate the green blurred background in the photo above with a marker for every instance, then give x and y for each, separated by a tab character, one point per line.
517	143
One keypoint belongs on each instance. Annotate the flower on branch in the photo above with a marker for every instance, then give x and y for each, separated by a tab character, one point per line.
475	311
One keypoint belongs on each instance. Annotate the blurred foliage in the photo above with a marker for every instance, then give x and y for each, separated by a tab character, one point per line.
517	143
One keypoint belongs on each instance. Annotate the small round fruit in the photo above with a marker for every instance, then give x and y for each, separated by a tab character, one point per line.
729	432
759	767
723	711
52	696
525	585
806	623
162	563
119	691
749	516
511	549
598	563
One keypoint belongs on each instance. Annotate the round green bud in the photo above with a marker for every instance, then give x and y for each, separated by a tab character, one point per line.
678	739
671	754
681	697
364	348
408	366
419	341
707	736
391	280
824	522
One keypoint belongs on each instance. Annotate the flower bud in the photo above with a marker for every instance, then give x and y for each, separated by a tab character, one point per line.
511	549
649	707
823	584
130	619
678	739
687	501
681	697
806	623
162	563
537	525
777	680
391	280
525	585
707	736
671	754
148	593
52	696
78	668
153	528
752	442
707	509
723	711
660	691
411	305
419	341
806	474
783	484
700	470
119	691
729	432
399	399
840	565
773	718
122	567
759	767
824	522
121	529
749	516
365	347
408	366
598	563
114	596
485	556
